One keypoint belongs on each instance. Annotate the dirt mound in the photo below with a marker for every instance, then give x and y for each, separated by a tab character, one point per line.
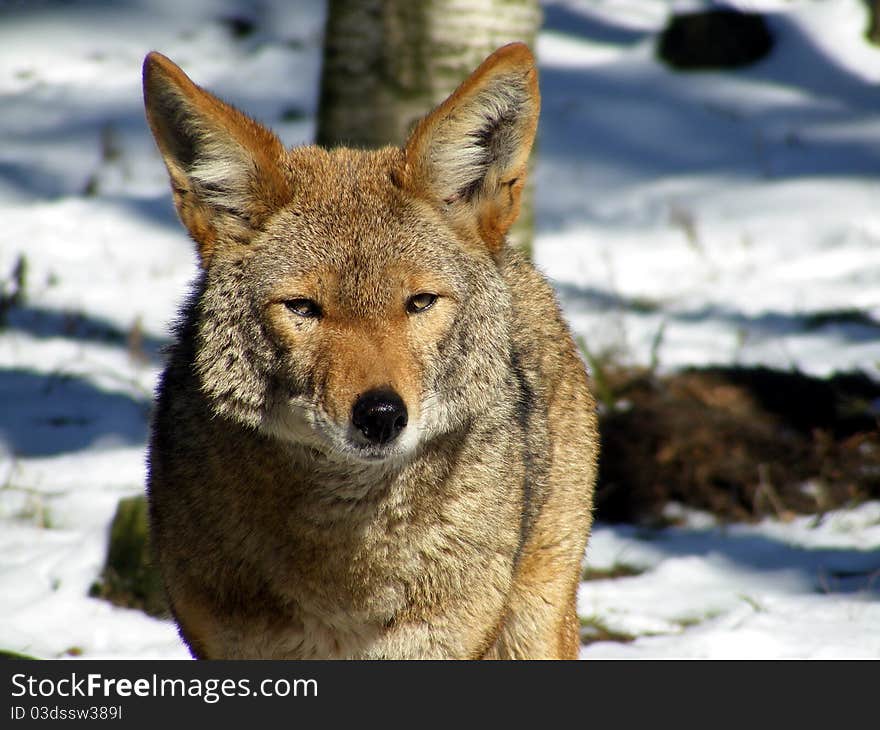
739	442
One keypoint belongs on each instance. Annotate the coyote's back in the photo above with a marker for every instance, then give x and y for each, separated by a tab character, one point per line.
374	437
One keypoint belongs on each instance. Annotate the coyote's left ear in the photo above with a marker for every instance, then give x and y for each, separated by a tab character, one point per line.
469	155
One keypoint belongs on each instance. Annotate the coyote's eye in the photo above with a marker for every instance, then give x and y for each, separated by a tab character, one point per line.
303	307
420	302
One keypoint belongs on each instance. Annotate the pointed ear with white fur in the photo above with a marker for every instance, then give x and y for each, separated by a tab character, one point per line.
225	168
469	156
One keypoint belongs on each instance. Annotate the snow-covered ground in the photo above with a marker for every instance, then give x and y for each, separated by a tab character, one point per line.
688	218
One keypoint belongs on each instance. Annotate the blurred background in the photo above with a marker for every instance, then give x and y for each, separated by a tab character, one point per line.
703	197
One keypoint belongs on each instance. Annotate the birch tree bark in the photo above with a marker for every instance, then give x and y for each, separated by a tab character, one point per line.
388	62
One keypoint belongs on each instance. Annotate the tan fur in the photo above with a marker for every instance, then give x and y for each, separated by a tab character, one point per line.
439	167
235	153
282	528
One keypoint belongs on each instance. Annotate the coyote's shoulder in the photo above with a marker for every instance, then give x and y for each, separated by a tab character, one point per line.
374	437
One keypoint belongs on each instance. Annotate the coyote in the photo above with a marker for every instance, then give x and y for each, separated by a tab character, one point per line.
374	437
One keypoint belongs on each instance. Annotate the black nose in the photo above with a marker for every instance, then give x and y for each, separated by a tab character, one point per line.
380	415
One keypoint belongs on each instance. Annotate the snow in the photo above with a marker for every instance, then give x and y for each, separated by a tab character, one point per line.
733	205
803	589
688	218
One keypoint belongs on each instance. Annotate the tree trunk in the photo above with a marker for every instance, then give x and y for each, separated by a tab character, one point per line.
388	62
873	30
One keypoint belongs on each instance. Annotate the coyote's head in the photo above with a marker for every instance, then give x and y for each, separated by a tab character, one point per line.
351	301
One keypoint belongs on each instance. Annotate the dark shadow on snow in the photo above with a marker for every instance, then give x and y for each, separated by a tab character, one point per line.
564	20
826	570
44	323
843	324
43	415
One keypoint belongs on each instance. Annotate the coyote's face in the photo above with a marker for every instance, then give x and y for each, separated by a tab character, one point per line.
357	321
350	300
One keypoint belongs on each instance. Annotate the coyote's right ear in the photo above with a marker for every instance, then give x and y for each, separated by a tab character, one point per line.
469	155
225	168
